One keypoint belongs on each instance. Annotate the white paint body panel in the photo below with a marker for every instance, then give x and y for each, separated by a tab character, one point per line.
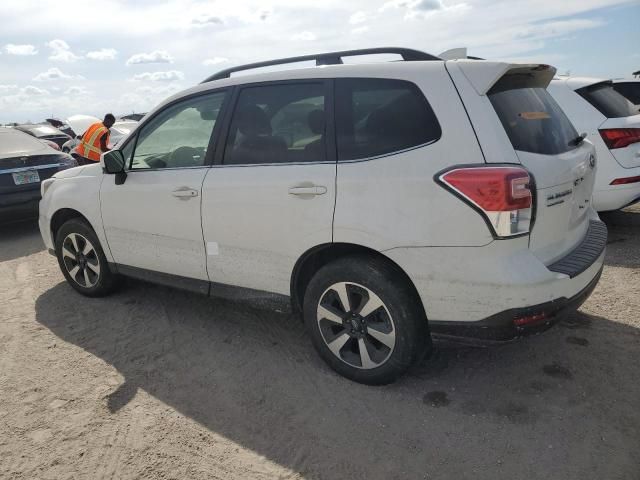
472	283
260	229
393	201
148	227
78	189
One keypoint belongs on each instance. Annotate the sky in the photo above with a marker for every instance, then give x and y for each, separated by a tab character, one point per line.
91	57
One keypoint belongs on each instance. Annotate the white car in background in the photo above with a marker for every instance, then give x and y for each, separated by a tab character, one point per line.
80	123
612	124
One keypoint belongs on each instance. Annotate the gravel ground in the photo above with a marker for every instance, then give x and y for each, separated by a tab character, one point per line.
156	383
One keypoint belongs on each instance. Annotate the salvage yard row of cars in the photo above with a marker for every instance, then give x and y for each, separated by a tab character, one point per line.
393	202
31	153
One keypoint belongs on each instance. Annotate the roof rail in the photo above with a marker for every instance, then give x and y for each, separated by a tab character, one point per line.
329	58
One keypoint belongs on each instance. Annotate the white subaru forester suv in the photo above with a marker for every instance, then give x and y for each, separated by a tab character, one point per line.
393	202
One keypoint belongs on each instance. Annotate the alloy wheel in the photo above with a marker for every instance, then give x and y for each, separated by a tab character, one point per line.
356	325
81	260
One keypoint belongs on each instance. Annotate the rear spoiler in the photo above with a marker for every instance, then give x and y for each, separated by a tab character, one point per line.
484	75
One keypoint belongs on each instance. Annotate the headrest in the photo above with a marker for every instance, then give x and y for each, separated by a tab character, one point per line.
252	121
315	119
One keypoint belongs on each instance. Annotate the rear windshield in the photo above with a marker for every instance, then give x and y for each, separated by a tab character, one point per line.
629	90
609	102
533	120
13	142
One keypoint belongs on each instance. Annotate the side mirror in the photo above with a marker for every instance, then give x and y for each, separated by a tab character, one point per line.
113	164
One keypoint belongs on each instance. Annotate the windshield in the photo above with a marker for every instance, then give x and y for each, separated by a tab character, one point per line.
42	130
607	100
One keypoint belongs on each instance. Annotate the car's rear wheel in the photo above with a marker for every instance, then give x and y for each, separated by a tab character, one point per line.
364	320
82	259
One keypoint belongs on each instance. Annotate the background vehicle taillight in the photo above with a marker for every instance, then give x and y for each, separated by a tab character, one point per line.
620	137
625	180
501	194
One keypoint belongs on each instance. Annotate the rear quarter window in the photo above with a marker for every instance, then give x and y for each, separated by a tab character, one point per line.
607	100
534	122
629	90
376	117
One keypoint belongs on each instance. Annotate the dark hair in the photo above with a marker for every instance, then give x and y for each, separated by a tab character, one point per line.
109	118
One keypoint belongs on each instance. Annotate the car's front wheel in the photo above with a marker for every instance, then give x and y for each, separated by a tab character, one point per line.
364	320
82	259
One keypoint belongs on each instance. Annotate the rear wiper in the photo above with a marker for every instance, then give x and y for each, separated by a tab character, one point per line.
578	140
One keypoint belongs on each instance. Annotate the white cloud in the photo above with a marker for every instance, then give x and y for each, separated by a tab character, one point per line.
31	90
169	76
358	17
304	36
214	61
103	54
423	8
207	20
4	89
157	56
55	73
76	91
61	52
360	30
13	49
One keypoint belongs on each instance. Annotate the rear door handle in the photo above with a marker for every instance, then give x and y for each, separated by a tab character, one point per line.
313	190
185	193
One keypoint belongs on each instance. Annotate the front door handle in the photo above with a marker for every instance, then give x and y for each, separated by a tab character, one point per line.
305	191
185	193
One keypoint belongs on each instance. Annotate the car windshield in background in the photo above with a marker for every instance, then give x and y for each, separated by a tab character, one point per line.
533	120
607	100
42	130
629	90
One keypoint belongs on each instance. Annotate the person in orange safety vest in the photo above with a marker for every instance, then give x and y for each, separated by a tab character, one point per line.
94	141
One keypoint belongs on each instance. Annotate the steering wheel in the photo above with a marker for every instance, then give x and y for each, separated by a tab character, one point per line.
186	157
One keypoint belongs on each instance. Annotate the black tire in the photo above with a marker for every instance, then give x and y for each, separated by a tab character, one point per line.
101	283
366	278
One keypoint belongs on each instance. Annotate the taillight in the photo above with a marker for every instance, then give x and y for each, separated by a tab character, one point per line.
501	194
620	137
625	181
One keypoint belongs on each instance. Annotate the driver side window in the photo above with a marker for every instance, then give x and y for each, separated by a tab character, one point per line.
179	136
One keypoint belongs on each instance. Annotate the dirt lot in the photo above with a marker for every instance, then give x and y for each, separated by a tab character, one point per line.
154	383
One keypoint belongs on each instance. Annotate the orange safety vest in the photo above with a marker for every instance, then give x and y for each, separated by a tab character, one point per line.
89	146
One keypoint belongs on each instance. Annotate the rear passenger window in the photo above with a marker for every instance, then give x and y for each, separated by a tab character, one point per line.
278	124
534	122
379	116
608	101
629	90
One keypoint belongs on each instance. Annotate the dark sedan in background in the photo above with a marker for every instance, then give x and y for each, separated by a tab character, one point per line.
24	162
45	132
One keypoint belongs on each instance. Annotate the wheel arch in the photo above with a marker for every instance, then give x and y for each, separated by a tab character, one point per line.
63	215
315	258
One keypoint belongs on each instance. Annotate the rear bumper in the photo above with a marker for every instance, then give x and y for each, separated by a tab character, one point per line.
467	290
616	197
19	204
607	197
501	328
